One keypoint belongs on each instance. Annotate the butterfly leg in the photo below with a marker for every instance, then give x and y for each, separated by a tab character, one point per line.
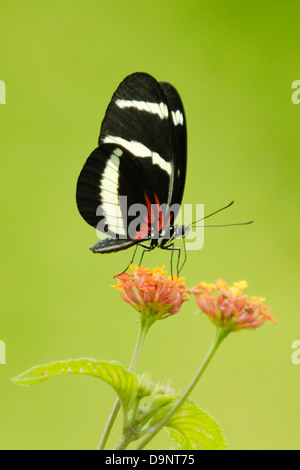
185	256
173	248
146	248
131	261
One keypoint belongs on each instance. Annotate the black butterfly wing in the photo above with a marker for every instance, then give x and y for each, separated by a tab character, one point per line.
139	119
111	181
179	147
141	155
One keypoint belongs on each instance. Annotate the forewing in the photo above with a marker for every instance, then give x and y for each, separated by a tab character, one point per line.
138	119
179	147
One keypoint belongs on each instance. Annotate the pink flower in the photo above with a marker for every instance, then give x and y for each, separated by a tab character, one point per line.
228	308
152	293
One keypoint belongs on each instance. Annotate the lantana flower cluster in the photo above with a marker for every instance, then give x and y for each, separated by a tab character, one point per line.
156	295
152	293
227	307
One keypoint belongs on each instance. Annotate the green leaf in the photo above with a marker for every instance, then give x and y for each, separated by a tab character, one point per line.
194	429
123	382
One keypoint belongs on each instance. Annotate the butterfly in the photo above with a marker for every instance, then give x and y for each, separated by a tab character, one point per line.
132	184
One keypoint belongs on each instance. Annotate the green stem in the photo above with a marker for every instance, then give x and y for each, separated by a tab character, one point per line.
220	336
125	440
144	328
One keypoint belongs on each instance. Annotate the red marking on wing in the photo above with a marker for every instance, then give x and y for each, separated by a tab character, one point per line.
146	225
150	218
170	220
154	216
159	215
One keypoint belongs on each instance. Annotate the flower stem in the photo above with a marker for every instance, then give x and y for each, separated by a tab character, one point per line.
144	328
145	325
221	334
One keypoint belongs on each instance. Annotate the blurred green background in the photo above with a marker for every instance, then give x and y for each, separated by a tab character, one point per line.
233	63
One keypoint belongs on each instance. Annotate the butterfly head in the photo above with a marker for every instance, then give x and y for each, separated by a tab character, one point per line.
180	231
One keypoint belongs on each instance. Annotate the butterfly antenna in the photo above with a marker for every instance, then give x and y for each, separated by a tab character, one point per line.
213	213
227	225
